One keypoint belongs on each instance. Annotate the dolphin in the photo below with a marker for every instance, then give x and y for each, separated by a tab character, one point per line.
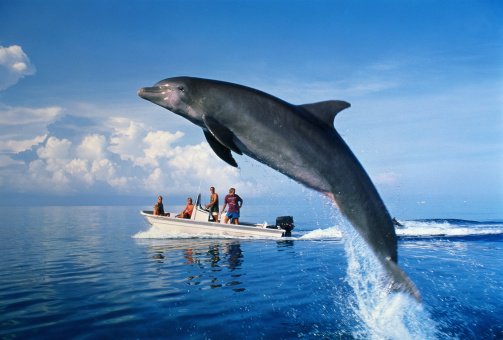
299	141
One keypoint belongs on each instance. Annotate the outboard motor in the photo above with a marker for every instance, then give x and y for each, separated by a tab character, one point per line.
285	223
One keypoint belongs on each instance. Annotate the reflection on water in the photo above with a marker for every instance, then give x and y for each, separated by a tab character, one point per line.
212	263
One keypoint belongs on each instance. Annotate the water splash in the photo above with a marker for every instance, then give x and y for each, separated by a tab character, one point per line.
381	314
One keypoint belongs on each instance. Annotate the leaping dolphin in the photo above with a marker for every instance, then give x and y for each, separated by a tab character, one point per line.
299	141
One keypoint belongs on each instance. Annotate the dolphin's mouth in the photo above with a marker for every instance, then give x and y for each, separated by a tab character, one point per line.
149	92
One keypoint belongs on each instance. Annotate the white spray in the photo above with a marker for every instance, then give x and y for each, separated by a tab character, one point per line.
381	314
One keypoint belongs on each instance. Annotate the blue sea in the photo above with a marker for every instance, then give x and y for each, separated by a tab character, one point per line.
103	272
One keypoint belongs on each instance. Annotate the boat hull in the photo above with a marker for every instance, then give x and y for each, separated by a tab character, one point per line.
204	229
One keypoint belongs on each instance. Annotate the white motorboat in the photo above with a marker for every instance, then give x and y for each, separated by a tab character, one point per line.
200	224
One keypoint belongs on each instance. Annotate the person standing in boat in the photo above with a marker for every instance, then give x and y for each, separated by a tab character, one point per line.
235	203
159	207
213	205
187	211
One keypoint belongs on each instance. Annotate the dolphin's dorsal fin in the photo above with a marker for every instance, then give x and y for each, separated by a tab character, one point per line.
221	133
221	151
327	110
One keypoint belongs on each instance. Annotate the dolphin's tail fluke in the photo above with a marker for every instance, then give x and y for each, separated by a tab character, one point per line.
400	282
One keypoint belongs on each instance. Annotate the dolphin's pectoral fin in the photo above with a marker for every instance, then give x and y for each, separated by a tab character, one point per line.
221	134
327	110
221	151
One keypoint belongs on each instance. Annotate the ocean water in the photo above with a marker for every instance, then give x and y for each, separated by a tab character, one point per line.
102	272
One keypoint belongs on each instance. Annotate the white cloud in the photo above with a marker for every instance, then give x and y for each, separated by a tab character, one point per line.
48	172
92	147
78	169
192	164
44	178
135	142
158	143
73	168
126	138
55	149
104	170
23	128
129	157
157	179
14	116
14	65
16	146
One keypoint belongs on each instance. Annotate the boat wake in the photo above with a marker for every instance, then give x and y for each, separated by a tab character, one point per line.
448	228
322	234
422	229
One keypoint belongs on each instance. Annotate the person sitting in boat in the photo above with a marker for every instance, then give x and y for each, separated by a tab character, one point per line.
213	205
235	203
187	211
159	207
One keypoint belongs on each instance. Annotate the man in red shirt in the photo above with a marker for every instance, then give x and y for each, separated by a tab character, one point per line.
235	203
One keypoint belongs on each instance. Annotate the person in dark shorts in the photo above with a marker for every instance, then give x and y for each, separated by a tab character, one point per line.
213	205
159	207
235	203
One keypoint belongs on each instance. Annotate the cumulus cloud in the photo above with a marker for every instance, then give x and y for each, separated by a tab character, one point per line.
62	166
92	147
55	149
22	128
158	143
14	65
164	163
12	116
16	146
124	157
135	142
191	164
126	137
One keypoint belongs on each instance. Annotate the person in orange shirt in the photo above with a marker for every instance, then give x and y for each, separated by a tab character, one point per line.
187	212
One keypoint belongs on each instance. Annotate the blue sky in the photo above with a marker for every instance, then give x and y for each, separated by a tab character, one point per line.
424	78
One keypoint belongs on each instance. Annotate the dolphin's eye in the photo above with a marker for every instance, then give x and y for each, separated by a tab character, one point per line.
181	88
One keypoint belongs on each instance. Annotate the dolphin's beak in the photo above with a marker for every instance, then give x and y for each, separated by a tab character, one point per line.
141	92
149	92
